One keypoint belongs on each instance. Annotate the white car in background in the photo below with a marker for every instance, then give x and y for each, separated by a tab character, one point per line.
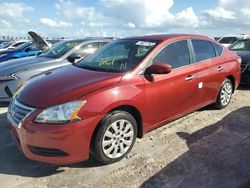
11	44
230	39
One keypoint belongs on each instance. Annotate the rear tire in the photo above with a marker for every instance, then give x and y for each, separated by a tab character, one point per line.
225	94
114	138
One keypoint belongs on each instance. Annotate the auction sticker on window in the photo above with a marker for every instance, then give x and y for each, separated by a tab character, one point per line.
145	43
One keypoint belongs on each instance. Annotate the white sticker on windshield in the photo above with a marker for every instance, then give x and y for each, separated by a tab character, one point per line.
145	43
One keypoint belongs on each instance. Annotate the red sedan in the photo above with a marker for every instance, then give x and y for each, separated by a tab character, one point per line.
100	105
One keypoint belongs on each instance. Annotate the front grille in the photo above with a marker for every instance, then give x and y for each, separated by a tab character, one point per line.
17	112
48	152
8	92
243	67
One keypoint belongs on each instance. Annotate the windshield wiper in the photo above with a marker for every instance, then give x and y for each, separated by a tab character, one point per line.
92	68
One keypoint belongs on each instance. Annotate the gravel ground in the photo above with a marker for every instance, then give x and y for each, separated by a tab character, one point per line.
208	148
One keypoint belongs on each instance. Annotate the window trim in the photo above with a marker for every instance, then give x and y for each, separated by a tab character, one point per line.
197	62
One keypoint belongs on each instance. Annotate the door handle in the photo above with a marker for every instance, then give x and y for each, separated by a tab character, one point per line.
220	68
190	77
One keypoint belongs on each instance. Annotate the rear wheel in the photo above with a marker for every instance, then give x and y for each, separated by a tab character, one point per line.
115	137
225	94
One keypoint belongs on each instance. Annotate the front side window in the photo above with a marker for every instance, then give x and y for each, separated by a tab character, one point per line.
176	54
60	49
241	45
101	44
119	56
203	50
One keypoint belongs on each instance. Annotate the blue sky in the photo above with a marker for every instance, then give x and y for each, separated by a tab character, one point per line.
80	18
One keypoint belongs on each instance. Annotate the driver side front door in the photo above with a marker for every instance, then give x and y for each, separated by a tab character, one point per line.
172	95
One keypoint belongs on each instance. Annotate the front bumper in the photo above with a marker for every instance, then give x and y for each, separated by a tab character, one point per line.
55	144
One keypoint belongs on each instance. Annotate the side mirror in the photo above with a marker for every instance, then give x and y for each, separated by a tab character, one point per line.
27	49
158	68
72	57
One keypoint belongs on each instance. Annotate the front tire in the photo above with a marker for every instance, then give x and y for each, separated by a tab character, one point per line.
115	137
225	94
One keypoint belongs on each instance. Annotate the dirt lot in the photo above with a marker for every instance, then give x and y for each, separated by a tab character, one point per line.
208	148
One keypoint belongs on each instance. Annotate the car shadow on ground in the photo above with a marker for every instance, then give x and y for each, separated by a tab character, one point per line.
13	162
243	87
218	156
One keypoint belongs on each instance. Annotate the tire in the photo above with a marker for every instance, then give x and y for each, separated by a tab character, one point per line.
225	94
111	142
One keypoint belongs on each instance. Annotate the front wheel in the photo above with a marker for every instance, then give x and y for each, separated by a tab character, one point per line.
225	94
115	137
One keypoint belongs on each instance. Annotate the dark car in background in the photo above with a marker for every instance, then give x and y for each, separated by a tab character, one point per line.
242	48
14	73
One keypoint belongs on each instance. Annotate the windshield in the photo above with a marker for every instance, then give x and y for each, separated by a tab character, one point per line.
241	45
228	40
22	46
60	48
119	56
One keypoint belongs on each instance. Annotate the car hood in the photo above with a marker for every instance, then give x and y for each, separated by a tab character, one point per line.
13	66
41	43
245	56
63	85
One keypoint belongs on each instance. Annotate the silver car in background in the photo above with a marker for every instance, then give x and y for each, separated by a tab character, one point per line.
15	72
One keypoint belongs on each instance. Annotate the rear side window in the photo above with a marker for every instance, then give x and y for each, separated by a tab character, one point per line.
176	54
203	50
101	44
87	49
218	49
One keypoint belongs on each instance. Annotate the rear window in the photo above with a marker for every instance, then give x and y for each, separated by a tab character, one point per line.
218	49
203	50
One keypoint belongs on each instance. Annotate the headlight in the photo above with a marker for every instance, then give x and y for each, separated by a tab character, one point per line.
63	113
8	77
2	55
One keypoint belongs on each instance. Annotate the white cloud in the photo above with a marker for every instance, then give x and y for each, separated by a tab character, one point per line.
100	25
131	25
246	11
187	18
4	24
14	10
220	13
229	16
54	23
72	11
148	13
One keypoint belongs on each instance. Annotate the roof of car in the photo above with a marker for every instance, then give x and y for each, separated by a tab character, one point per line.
162	37
84	39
